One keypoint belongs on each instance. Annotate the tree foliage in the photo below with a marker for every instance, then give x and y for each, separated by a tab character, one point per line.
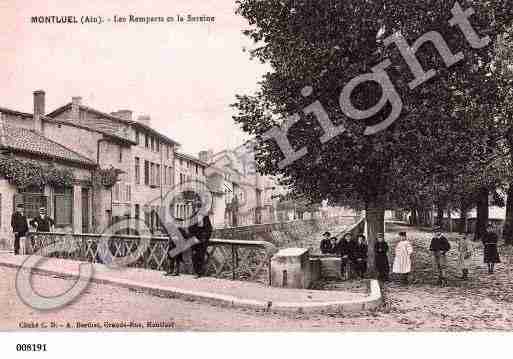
446	129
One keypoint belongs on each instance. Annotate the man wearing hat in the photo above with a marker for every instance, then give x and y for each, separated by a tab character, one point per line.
19	226
439	247
42	222
326	244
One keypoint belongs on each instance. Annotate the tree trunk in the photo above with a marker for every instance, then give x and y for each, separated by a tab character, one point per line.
420	217
375	218
440	215
482	213
413	217
449	216
507	231
463	220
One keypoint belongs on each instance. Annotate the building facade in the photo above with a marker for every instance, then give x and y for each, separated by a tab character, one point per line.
191	184
241	196
39	172
115	140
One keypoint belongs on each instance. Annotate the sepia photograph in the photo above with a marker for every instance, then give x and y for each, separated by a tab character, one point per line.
258	166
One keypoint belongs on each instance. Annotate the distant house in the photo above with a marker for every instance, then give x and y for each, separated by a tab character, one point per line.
241	196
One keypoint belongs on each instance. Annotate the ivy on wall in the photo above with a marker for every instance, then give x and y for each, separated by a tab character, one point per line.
106	177
25	173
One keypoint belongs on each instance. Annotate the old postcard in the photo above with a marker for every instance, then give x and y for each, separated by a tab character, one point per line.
255	165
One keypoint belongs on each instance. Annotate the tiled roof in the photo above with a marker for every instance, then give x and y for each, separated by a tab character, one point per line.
15	113
25	140
190	158
113	118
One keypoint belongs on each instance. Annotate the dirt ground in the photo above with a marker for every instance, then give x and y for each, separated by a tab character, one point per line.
485	302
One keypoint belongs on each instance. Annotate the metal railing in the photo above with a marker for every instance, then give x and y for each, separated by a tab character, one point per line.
226	258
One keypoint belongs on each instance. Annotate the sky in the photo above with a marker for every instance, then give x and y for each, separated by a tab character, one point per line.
183	75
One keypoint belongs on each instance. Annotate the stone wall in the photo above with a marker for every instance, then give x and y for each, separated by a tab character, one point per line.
282	234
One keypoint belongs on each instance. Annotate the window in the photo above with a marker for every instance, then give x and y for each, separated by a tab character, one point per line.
147	218
146	173
32	198
158	175
152	143
146	141
63	206
120	154
137	215
165	175
137	139
122	192
203	170
137	171
128	193
170	175
116	195
196	168
168	151
158	144
181	162
152	173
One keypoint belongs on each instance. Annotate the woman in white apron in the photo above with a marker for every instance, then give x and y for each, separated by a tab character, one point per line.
402	261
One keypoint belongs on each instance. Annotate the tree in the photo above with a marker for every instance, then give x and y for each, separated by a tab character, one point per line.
503	73
315	49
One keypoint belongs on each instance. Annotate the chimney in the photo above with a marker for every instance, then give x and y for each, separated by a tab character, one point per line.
39	110
75	107
145	120
206	156
123	114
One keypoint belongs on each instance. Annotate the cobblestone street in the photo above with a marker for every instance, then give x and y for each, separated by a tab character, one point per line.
483	303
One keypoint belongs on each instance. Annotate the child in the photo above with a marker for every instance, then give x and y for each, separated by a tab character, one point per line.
402	260
465	249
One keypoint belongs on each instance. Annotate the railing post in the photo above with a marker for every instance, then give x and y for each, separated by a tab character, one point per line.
234	264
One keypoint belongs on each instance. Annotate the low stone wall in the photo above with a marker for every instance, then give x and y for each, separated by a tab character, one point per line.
281	234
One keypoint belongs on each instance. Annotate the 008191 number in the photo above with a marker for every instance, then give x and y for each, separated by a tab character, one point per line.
31	347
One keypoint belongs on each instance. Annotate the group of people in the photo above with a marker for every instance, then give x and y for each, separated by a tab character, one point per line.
20	224
354	253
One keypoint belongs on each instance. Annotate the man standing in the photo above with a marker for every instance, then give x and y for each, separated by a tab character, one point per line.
202	230
439	247
19	226
42	222
342	249
326	244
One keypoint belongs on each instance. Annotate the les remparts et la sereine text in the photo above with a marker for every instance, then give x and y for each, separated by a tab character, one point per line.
119	19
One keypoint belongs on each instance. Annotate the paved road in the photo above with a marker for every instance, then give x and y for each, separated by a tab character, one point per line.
484	303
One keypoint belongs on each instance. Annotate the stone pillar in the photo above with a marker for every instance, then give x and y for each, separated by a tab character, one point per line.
77	209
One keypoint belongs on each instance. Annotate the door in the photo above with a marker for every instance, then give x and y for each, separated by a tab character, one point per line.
85	210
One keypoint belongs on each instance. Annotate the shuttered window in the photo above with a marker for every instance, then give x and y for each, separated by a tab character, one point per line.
146	173
63	207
